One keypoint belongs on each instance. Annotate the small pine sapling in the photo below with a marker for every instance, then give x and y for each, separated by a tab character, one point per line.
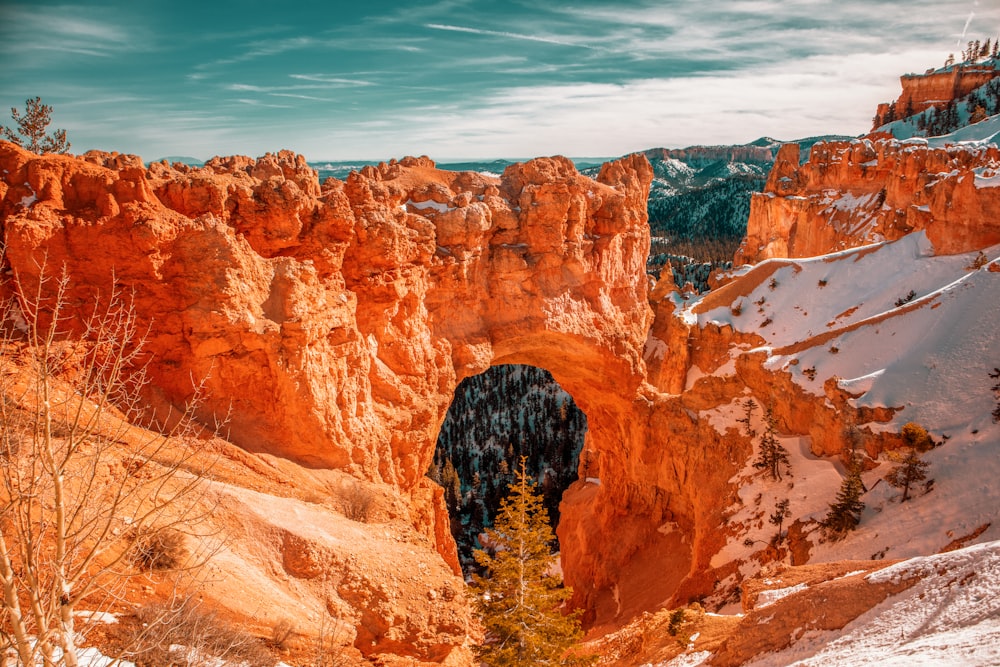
845	512
910	296
777	518
912	469
772	456
748	407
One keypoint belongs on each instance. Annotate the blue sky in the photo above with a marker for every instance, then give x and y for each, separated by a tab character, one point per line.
452	79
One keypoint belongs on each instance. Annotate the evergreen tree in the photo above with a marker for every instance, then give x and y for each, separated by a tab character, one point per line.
772	455
781	512
748	407
519	600
845	513
30	133
910	471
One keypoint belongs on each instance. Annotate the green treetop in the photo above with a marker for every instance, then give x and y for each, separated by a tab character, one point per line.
520	599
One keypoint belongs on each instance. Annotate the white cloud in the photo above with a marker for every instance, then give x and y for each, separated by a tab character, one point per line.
560	41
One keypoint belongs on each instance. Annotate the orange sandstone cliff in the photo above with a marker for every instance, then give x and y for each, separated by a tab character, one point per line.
936	88
332	323
850	193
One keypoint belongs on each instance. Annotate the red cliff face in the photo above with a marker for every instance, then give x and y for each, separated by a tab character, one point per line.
937	88
332	323
850	193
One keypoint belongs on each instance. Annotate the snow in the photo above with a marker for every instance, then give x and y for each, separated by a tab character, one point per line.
950	617
30	199
836	316
96	617
810	486
429	204
840	313
769	597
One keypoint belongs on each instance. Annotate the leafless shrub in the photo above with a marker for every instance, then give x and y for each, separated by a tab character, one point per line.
159	550
328	650
78	480
358	502
282	632
185	632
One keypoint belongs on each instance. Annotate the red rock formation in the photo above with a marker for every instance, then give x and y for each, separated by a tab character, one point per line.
850	193
708	154
936	88
333	323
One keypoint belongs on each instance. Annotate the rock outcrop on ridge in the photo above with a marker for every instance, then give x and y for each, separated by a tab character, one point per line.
936	88
850	193
332	322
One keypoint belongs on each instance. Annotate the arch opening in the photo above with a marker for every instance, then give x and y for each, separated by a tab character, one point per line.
508	411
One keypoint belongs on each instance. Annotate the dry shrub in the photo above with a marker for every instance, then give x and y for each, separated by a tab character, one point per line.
916	436
185	632
358	502
282	632
163	549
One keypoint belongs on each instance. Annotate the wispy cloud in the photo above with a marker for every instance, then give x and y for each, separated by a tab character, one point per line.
64	30
258	103
301	97
508	35
331	80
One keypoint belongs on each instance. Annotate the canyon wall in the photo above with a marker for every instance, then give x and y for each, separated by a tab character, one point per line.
936	88
850	193
331	323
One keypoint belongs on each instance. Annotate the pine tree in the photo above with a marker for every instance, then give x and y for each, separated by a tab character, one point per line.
30	133
908	472
772	456
748	407
845	513
519	600
781	512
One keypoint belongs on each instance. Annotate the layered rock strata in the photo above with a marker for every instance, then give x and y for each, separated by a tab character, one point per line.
850	193
936	88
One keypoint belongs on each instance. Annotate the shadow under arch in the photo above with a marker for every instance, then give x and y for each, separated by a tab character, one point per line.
496	418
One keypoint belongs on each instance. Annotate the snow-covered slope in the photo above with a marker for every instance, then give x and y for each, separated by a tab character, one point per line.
898	328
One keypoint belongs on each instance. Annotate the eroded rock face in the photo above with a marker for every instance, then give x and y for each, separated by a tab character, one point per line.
936	88
850	193
332	323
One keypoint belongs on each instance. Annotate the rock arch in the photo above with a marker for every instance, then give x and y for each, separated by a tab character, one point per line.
335	321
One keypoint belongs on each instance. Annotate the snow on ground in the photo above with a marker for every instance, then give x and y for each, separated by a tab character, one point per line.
984	132
810	485
950	617
771	596
929	358
898	326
